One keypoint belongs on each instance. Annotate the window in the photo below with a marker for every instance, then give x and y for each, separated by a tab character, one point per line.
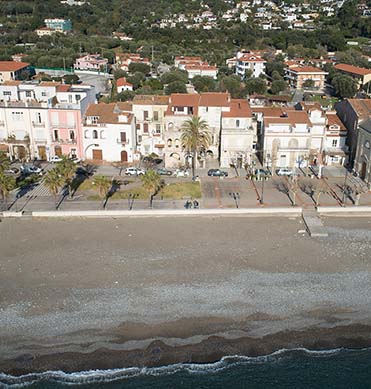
169	143
70	98
206	109
28	93
334	143
237	123
72	135
103	135
158	128
86	134
155	115
56	135
7	93
95	134
38	117
145	115
78	97
43	94
123	137
137	126
73	153
94	119
17	116
145	127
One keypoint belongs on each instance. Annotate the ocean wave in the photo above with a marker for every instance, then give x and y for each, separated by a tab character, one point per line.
110	375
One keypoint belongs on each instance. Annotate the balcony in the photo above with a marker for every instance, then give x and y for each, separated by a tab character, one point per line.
62	125
123	141
293	149
65	141
37	124
2	123
41	141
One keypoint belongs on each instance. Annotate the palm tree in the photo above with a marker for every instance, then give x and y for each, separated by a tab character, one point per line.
103	184
152	183
195	137
67	169
53	181
7	183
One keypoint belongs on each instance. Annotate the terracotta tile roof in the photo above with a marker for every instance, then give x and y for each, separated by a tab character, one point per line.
212	99
12	66
122	82
63	88
251	58
333	119
109	113
50	83
307	69
291	117
200	67
269	112
362	107
12	83
184	99
151	100
352	69
239	108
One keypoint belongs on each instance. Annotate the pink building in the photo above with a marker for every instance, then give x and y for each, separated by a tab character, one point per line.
66	131
91	62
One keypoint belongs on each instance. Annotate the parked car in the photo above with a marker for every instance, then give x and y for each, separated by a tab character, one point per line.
181	173
262	172
284	171
76	160
164	172
30	169
217	173
134	171
55	159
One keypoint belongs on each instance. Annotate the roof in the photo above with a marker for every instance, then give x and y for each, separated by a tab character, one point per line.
184	100
362	107
122	82
49	83
151	100
63	88
12	83
334	120
200	67
269	112
109	113
251	58
212	99
12	66
307	69
352	69
291	117
239	108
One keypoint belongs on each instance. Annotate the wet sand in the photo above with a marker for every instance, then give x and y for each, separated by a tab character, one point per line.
103	293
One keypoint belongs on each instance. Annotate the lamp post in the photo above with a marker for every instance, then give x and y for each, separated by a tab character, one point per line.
261	199
343	200
235	196
131	199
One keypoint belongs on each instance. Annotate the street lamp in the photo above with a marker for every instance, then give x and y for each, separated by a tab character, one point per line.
131	199
343	200
261	199
235	196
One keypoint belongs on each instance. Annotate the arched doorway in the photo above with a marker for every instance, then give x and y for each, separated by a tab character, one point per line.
58	151
124	156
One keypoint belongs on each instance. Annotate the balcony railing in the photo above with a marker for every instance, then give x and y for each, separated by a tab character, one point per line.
123	141
62	125
37	124
40	140
65	141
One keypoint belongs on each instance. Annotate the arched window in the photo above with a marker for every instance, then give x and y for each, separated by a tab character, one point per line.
170	126
177	143
169	142
72	135
95	134
86	134
103	134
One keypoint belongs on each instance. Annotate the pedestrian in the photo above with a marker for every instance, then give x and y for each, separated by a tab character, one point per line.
195	204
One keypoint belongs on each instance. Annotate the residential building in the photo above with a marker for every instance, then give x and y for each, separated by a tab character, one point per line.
123	60
335	151
11	70
310	77
249	61
195	66
91	62
290	139
363	151
352	112
149	112
59	25
123	85
109	133
238	135
361	75
45	31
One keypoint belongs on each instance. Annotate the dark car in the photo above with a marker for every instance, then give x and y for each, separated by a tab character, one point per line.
262	172
217	173
164	172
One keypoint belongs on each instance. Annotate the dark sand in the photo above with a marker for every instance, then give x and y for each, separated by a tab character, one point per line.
104	293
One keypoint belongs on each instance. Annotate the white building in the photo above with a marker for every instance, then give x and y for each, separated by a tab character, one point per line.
123	85
109	133
250	62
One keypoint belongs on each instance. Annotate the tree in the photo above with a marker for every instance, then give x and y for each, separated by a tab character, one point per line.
319	189
53	181
139	67
294	188
103	185
278	86
308	83
119	73
152	183
7	184
174	75
71	79
231	84
344	86
256	85
67	169
136	79
195	137
176	87
203	83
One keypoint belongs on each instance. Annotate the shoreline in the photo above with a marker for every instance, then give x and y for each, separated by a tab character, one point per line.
211	350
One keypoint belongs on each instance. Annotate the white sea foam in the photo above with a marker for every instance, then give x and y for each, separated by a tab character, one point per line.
110	375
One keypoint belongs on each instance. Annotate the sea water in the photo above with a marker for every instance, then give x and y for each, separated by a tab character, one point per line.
297	368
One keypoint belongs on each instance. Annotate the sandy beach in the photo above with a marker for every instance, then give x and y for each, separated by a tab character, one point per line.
102	293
